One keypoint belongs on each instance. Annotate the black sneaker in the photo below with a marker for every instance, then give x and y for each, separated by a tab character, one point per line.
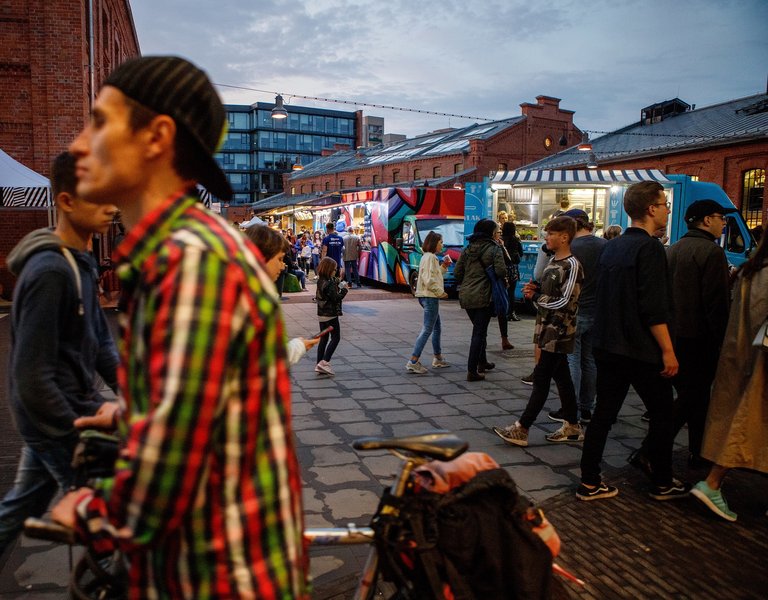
597	493
528	379
485	367
586	417
557	415
676	490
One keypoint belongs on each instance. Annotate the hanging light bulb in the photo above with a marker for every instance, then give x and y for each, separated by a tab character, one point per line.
592	162
279	112
297	166
585	146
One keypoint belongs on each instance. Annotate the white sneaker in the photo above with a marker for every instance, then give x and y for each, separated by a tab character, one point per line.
416	367
439	363
324	367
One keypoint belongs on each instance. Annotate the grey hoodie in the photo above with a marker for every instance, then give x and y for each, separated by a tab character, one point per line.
56	352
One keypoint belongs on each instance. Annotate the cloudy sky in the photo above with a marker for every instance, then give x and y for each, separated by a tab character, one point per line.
606	59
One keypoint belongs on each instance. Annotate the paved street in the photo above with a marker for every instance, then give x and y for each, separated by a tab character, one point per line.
628	547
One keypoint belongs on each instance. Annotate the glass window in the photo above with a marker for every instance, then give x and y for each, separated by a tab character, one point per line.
752	197
239	120
408	234
456	168
416	173
358	181
452	230
396	176
341	184
734	240
436	171
375	180
327	186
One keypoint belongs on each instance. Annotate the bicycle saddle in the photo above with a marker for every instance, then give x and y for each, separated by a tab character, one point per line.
438	445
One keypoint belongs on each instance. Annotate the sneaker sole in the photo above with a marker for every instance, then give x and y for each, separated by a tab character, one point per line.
668	497
527	382
604	496
699	495
577	440
415	372
440	366
521	443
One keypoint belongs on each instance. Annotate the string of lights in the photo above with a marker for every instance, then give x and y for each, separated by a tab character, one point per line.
474	118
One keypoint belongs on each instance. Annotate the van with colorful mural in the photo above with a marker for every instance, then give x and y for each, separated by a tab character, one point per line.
395	222
534	196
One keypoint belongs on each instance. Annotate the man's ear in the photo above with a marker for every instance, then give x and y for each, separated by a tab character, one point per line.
161	134
65	202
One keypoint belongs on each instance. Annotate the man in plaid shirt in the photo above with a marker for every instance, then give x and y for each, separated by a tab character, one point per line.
206	500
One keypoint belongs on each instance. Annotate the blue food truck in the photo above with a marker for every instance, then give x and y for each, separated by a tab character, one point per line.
533	196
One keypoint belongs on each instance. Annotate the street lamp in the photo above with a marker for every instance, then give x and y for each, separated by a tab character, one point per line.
279	112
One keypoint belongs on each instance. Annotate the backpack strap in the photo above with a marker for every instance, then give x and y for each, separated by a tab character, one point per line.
78	282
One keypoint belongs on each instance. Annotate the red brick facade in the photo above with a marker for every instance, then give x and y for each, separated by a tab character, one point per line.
45	84
723	165
512	148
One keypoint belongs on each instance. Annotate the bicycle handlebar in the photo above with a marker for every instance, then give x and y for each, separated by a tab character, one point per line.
48	530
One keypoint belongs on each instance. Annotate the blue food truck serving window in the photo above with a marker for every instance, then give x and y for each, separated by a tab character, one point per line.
452	231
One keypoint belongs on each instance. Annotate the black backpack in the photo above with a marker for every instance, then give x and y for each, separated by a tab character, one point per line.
473	543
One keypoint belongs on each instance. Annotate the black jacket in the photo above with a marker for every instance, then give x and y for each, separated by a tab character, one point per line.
700	292
329	296
632	295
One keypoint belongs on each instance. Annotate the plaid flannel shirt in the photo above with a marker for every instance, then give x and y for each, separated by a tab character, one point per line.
206	501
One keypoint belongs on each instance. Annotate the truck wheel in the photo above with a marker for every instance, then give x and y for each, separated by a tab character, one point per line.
412	279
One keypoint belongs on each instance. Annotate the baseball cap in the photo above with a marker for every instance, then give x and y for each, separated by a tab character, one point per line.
578	214
173	86
704	208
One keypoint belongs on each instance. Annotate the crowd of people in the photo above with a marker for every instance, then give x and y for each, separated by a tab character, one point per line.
206	497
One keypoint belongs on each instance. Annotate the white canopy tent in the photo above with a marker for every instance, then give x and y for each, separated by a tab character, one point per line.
20	186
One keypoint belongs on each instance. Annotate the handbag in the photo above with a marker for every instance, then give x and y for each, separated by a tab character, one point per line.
498	292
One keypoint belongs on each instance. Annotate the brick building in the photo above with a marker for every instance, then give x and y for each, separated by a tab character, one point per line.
441	158
726	144
47	81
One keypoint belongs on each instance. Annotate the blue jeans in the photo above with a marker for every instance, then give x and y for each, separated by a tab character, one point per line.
44	468
431	327
582	364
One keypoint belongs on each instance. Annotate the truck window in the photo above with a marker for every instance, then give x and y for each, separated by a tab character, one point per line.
452	230
408	234
734	240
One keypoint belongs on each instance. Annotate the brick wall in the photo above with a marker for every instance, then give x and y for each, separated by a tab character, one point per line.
723	165
15	223
45	83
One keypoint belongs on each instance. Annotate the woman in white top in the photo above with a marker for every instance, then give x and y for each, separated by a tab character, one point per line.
429	288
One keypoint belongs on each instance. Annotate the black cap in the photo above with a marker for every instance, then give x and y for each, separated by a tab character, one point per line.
704	208
173	86
578	214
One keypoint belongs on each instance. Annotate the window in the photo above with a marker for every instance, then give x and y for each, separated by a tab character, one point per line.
327	186
752	197
416	174
396	176
312	188
341	184
502	167
456	168
436	171
358	181
375	180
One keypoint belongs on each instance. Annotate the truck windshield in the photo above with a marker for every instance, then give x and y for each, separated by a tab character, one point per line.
452	230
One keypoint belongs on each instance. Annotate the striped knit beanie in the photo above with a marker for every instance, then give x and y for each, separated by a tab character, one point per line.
172	86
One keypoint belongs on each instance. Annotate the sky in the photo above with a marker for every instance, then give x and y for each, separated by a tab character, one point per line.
605	59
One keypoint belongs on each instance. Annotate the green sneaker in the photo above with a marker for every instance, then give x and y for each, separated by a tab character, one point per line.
713	500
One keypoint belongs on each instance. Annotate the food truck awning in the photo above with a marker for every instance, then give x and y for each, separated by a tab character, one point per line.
563	176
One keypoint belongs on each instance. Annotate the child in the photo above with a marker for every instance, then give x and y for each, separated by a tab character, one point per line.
305	255
557	299
330	292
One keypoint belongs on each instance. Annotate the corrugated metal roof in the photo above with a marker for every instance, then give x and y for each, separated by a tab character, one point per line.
432	145
725	123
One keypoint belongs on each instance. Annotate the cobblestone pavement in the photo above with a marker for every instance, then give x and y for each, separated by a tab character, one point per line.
629	547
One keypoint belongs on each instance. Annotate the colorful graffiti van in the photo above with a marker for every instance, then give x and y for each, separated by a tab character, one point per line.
395	222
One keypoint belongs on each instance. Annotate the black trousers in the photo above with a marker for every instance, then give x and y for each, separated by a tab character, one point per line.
551	365
326	347
698	362
480	318
614	376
